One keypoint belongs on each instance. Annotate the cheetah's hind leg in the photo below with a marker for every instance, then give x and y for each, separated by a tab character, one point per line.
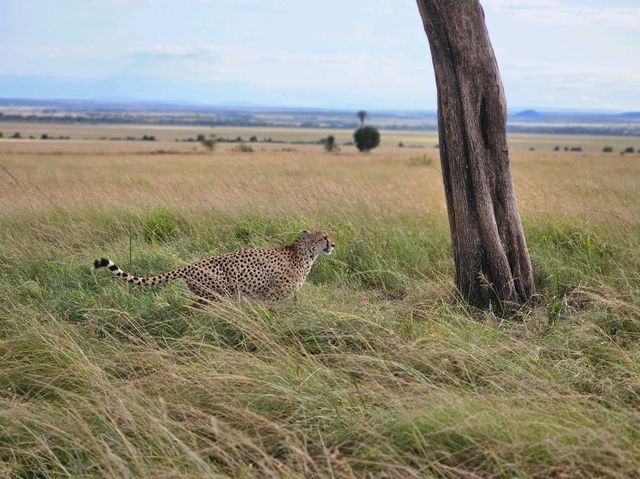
198	303
202	296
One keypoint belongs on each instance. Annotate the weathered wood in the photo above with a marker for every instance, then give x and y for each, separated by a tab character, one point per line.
489	247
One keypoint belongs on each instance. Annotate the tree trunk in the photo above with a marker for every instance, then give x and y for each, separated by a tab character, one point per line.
489	248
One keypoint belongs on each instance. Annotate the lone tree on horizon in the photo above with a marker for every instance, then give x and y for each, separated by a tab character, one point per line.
489	248
367	137
362	114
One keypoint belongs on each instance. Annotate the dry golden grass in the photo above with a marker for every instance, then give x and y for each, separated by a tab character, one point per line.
298	180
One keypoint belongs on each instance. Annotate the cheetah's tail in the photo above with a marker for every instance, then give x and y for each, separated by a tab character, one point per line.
148	281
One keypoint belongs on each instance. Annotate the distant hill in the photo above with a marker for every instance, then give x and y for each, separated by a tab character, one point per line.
528	114
630	115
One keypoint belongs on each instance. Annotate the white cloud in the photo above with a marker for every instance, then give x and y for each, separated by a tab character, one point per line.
280	68
558	12
572	85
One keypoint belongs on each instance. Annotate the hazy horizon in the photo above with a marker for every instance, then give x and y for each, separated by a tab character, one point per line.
118	102
556	55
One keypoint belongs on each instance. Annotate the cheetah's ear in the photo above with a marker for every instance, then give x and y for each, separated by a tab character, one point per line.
303	231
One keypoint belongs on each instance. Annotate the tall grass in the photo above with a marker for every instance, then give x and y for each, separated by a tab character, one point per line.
374	369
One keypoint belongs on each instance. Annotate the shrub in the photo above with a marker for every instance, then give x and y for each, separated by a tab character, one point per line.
366	138
330	145
243	148
607	149
162	225
253	139
209	143
16	135
44	136
629	149
201	138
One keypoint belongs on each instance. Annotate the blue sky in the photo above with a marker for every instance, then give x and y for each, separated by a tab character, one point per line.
373	54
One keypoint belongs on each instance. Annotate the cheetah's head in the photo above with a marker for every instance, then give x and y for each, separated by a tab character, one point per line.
316	242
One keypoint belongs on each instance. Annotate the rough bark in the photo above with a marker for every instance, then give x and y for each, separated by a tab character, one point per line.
489	247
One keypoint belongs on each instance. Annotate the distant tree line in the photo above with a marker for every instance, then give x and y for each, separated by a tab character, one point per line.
606	149
249	119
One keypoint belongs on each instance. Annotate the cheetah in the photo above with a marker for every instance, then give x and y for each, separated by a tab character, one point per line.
269	274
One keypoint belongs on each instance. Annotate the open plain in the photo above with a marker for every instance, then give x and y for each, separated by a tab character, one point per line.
375	369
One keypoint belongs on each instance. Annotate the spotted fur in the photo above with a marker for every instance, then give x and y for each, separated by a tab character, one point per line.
268	274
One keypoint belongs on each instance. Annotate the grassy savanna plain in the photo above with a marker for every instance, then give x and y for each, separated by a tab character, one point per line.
375	368
170	137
